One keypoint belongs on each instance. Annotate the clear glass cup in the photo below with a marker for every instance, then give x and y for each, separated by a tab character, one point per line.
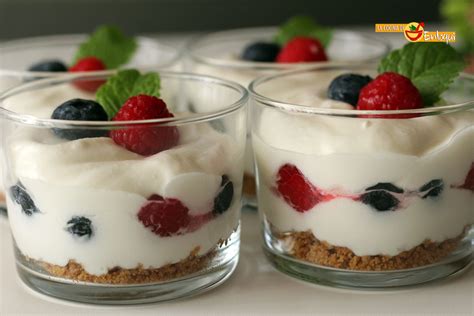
17	56
94	222
362	199
217	54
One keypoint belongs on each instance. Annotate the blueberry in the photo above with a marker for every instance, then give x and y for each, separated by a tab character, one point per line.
22	198
49	66
80	226
79	110
380	200
260	51
223	200
346	88
387	186
433	188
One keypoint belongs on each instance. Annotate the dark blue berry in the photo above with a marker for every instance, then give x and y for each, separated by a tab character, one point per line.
49	66
80	226
433	188
380	200
260	51
387	186
79	110
21	197
346	88
223	200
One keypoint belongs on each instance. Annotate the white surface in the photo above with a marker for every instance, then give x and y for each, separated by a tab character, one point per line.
254	288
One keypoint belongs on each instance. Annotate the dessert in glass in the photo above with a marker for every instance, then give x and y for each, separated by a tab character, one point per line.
242	55
361	184
51	56
128	196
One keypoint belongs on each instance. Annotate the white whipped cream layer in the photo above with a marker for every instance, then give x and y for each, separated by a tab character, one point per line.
108	184
346	154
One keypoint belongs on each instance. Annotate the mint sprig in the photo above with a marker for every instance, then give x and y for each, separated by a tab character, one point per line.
108	44
125	84
303	26
430	66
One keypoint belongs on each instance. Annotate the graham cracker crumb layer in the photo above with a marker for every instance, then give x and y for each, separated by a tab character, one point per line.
304	246
249	186
74	271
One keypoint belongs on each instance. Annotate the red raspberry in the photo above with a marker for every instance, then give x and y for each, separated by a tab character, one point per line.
165	217
88	64
295	189
147	140
389	91
302	49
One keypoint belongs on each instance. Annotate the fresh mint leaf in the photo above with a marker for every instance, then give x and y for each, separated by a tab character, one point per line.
125	84
302	26
430	66
108	44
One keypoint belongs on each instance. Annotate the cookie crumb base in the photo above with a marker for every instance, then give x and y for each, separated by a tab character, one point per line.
305	246
249	186
140	275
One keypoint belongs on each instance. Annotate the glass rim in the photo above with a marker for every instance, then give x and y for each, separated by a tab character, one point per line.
191	46
69	39
173	121
309	110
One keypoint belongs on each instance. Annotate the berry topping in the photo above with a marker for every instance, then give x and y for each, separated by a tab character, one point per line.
165	217
385	186
223	200
22	198
431	67
346	87
262	52
380	200
302	49
79	110
88	64
296	189
432	189
49	66
80	226
389	91
148	140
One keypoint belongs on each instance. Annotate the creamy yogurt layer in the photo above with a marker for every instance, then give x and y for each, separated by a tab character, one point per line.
99	180
344	156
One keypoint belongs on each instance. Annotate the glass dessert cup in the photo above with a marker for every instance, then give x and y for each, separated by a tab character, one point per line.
83	212
17	56
217	54
362	199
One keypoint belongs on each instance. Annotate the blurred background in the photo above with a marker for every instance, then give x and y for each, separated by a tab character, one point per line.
23	18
